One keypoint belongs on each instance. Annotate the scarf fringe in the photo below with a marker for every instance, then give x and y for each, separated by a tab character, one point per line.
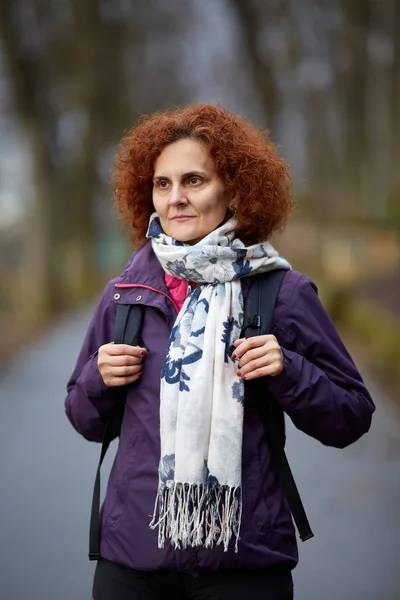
192	515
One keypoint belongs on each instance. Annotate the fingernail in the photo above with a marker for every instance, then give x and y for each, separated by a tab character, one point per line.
142	353
234	356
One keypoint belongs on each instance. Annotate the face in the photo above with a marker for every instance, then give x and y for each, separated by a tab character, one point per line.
188	194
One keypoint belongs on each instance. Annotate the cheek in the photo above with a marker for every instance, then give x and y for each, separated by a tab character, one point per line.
160	206
216	207
156	202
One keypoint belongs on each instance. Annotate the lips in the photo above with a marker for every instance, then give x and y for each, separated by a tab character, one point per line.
182	218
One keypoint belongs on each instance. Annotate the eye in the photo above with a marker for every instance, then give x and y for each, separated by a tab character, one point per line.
162	184
195	180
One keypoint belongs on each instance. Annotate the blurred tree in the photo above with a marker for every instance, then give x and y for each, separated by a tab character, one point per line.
69	103
31	106
252	14
354	85
326	73
340	59
97	109
394	197
79	76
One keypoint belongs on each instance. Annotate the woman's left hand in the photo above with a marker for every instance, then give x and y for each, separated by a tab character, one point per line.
258	356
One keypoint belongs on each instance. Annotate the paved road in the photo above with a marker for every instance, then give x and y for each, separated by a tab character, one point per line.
46	476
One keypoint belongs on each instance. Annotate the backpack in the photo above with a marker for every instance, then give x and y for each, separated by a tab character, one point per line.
259	307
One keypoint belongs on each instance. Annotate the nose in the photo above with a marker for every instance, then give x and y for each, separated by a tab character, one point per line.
177	195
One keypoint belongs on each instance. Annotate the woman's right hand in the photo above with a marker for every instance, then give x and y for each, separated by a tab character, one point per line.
120	364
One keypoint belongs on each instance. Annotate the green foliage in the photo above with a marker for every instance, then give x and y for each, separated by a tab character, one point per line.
378	334
393	207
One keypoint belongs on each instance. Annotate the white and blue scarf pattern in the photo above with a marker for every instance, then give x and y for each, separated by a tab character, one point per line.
201	406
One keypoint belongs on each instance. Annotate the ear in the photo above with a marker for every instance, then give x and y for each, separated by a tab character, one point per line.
233	203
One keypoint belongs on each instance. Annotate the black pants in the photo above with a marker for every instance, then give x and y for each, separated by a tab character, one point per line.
114	582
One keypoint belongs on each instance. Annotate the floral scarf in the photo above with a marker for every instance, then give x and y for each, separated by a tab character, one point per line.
199	499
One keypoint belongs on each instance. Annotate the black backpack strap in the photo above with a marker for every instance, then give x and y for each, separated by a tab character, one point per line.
259	309
285	474
127	330
128	324
94	531
260	302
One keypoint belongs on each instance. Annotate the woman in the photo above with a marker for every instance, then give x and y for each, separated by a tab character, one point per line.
193	505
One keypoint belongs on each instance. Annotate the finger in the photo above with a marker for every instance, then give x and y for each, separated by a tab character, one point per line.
270	357
247	344
253	365
119	381
125	371
123	360
253	354
269	341
126	349
271	370
239	341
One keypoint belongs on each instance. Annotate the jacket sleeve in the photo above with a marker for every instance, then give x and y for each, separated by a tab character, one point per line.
320	387
89	400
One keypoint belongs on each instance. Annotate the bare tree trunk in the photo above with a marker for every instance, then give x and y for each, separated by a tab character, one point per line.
357	25
41	272
250	19
82	178
99	93
395	98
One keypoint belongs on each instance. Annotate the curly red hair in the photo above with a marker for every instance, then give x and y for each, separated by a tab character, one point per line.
246	159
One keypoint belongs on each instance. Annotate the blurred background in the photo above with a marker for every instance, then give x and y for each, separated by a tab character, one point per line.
322	76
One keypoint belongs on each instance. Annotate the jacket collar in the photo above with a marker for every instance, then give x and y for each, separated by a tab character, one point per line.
143	267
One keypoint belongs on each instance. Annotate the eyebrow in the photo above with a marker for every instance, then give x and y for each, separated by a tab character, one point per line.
184	176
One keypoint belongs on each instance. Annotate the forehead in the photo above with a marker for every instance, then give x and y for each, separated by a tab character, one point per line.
184	156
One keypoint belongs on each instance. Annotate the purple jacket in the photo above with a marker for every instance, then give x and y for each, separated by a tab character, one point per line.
319	388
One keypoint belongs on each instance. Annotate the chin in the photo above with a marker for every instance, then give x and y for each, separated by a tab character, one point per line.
185	238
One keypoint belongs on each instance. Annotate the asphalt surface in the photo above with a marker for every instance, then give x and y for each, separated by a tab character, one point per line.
352	496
